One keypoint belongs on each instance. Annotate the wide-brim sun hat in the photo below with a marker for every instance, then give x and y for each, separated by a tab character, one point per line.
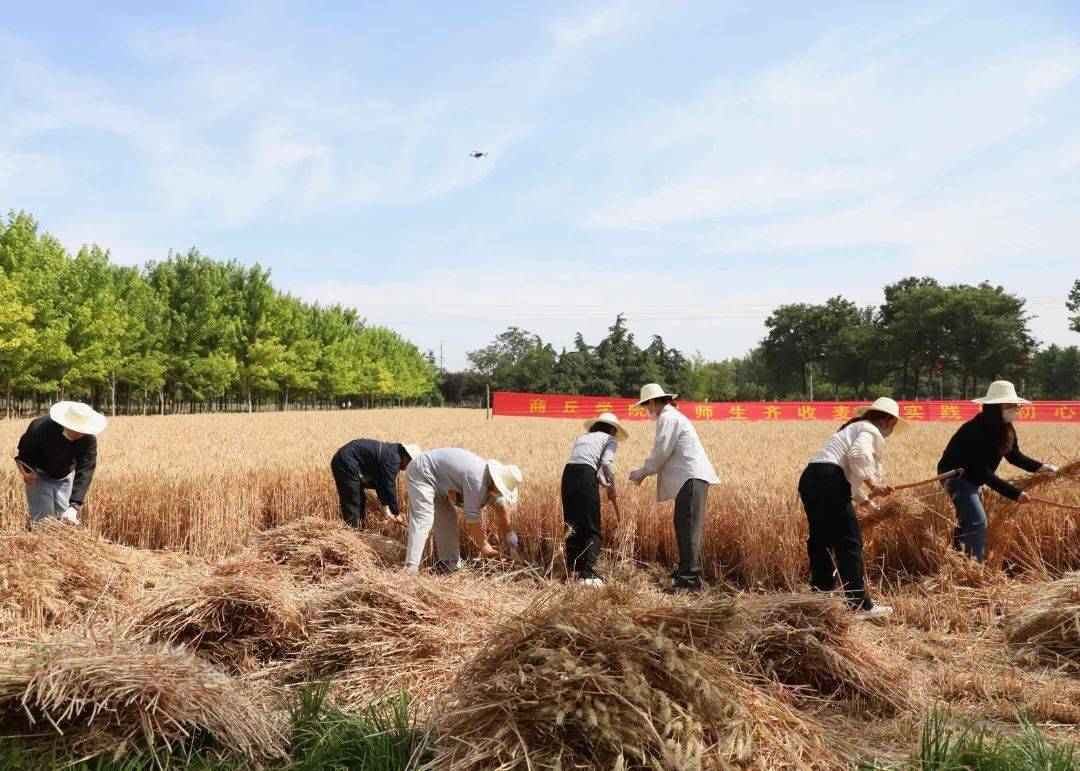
80	417
653	391
609	419
507	479
412	450
1001	392
889	407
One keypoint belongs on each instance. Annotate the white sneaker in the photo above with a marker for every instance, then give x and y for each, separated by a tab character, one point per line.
878	611
594	581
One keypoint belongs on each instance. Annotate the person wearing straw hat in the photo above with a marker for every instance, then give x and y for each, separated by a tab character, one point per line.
368	464
978	447
437	475
683	472
831	485
56	460
588	469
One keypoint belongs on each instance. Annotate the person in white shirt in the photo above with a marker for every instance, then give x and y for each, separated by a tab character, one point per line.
833	482
437	475
589	468
683	472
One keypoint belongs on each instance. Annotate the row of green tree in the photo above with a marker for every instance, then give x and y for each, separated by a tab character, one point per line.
925	341
185	333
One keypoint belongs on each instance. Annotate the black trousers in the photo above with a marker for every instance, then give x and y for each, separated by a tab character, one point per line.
350	491
834	533
581	513
689	524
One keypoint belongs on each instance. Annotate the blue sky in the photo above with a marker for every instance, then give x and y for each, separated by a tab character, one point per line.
691	163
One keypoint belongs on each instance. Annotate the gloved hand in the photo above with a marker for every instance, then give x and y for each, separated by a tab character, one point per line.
870	505
1048	468
70	516
637	475
512	545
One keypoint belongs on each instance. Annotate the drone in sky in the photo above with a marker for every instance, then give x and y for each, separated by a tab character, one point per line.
477	154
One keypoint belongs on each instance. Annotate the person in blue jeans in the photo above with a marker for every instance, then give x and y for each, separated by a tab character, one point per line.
978	448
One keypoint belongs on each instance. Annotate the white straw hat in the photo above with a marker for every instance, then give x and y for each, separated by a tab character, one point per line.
889	407
413	450
507	479
653	391
1001	392
78	417
609	419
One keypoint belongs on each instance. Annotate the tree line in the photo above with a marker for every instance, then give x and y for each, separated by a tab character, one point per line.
925	341
187	333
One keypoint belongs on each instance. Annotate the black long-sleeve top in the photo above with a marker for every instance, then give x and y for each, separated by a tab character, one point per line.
972	449
45	449
376	465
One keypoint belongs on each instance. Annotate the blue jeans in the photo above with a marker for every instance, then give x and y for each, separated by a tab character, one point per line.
47	498
970	533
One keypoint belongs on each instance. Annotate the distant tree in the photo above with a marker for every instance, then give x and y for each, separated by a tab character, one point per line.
1073	304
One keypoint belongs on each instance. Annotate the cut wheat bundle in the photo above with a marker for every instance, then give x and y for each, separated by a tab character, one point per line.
808	641
94	696
316	549
590	679
237	620
1049	621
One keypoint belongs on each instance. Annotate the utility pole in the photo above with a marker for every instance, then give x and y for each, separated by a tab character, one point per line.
442	364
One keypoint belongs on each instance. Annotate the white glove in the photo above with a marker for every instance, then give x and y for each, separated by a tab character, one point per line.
1048	468
512	544
871	505
386	511
637	474
70	516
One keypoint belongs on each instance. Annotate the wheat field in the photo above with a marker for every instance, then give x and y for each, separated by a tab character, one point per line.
243	583
204	483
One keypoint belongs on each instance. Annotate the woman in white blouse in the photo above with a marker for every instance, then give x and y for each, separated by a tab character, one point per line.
832	483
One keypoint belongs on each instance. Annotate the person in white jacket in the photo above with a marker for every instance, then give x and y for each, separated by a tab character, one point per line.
683	472
832	484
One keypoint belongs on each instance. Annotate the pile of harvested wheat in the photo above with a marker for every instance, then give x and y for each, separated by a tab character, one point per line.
239	619
616	679
316	549
95	695
56	574
371	630
1049	621
808	641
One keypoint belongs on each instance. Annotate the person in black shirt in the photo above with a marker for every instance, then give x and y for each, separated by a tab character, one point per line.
978	447
369	464
54	449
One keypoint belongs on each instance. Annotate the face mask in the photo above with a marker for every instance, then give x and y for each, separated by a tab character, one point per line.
1010	415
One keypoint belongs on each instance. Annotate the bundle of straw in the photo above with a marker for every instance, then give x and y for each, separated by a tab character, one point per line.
1049	622
315	549
236	620
1070	472
807	641
111	695
587	679
57	574
371	630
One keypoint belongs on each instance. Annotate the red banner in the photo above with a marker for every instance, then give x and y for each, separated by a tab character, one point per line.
581	407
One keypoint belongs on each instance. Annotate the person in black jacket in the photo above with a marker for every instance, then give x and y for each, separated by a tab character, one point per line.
978	447
56	459
369	464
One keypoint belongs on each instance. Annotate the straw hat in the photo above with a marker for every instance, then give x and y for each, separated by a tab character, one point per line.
507	479
413	450
653	391
889	407
1001	392
78	417
608	419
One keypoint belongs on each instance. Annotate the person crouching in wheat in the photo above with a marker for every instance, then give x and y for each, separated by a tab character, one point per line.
588	469
831	483
683	472
439	474
57	457
367	464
